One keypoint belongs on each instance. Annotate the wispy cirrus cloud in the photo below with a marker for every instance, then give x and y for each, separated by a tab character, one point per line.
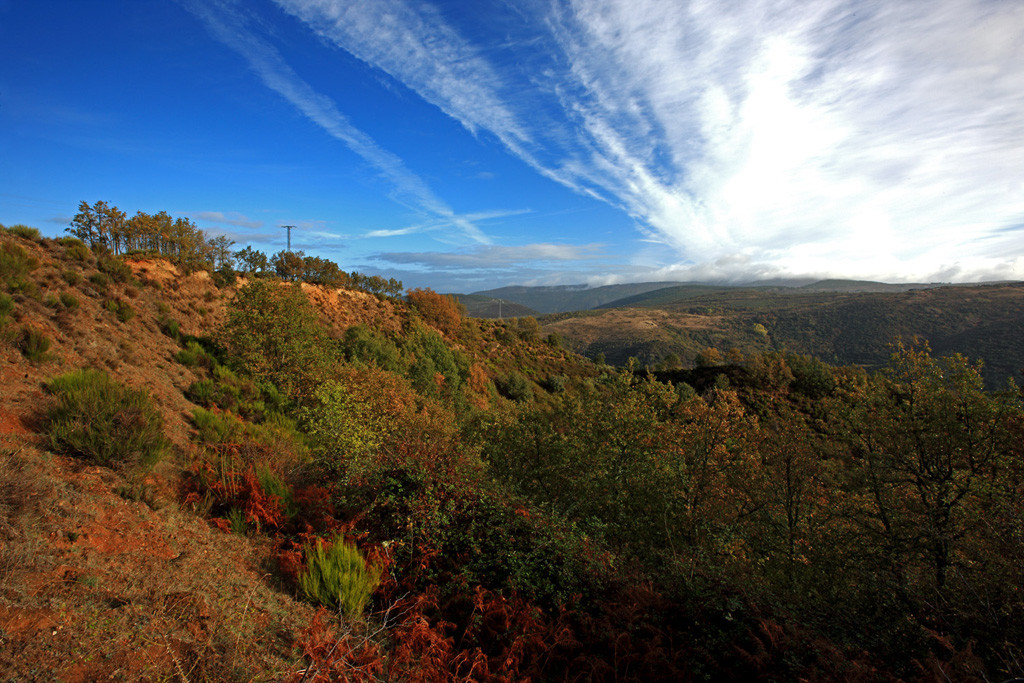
873	138
227	24
226	218
431	226
491	257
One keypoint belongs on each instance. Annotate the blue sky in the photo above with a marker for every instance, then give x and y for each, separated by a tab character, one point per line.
467	145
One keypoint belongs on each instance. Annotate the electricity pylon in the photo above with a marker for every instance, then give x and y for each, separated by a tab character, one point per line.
289	229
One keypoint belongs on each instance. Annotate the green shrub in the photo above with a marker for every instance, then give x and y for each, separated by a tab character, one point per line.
273	485
75	249
52	301
69	301
15	264
117	269
217	427
25	232
236	518
337	577
555	384
514	386
225	277
6	307
34	345
72	277
122	309
194	354
103	421
170	327
272	334
100	281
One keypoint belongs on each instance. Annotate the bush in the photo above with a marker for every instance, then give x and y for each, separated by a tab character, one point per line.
122	309
25	232
72	277
100	281
6	307
103	421
34	345
194	354
69	301
439	310
225	276
337	577
514	386
117	269
15	264
272	334
75	249
216	428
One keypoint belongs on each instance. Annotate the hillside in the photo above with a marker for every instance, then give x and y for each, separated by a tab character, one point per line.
224	476
980	321
110	573
561	298
481	306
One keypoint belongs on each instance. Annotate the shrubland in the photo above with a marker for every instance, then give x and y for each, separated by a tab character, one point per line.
465	500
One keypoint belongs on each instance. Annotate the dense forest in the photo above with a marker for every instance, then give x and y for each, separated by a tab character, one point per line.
467	500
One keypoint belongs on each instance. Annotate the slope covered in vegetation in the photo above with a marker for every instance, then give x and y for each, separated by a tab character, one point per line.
851	327
215	477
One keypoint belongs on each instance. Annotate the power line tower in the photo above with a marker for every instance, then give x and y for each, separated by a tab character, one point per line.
289	229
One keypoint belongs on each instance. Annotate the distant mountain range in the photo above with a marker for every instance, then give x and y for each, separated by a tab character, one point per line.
566	298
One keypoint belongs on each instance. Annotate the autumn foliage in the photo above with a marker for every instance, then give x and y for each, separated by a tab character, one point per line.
438	310
771	518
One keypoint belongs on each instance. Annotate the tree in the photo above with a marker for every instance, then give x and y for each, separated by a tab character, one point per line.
927	442
440	311
220	247
288	265
85	224
253	263
272	333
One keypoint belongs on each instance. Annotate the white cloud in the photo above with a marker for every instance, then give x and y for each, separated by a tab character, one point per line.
226	218
496	257
870	138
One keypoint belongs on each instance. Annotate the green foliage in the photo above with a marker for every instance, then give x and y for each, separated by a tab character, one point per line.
338	577
343	430
6	308
363	345
116	269
252	263
436	370
103	421
100	281
555	384
272	334
216	428
515	387
237	522
194	355
25	232
121	309
72	277
34	344
75	249
528	328
225	276
15	264
69	301
172	328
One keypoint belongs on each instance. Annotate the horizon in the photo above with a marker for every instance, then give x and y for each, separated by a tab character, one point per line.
469	147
